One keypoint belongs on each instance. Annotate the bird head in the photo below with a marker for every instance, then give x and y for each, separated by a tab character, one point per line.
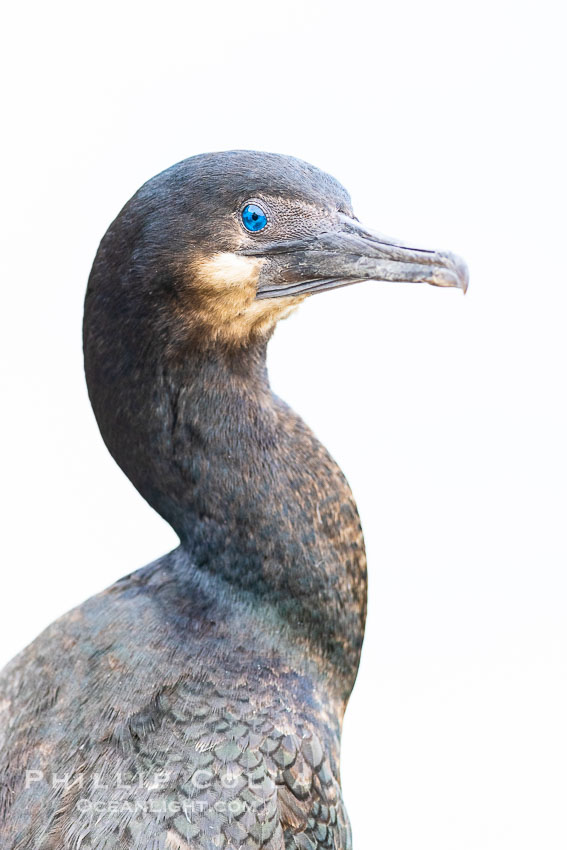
223	245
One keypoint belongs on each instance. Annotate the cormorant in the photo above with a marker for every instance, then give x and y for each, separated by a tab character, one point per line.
198	702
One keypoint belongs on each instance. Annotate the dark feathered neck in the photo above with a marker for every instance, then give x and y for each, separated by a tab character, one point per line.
255	499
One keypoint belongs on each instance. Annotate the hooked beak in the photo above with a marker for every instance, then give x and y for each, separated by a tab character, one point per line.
350	255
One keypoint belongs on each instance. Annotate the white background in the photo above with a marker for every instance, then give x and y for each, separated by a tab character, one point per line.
445	122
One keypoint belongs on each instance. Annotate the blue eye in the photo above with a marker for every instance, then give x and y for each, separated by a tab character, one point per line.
254	218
